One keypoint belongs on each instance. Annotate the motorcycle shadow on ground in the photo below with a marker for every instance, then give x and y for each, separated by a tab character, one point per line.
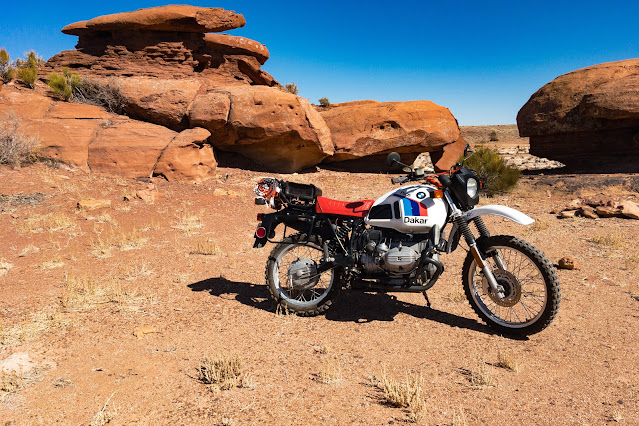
350	306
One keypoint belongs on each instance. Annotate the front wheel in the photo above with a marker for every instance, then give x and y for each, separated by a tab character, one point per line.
530	284
293	280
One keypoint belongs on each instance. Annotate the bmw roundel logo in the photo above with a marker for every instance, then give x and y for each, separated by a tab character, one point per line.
421	195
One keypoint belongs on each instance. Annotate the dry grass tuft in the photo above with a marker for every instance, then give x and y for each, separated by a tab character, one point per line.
540	225
84	292
188	223
49	222
331	371
39	323
614	240
52	264
207	248
105	217
10	382
102	248
104	415
459	419
136	271
403	394
481	376
223	372
506	360
5	266
400	393
130	241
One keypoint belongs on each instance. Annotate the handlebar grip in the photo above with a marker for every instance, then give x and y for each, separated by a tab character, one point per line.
399	179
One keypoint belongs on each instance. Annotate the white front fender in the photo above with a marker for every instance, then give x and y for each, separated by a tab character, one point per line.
502	211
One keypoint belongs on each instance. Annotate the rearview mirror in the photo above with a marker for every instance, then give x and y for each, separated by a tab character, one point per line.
467	150
392	159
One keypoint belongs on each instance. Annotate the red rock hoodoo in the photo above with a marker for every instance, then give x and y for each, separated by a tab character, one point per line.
588	119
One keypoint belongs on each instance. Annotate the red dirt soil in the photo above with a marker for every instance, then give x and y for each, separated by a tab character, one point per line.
580	370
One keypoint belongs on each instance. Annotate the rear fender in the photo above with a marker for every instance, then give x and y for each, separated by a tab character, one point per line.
501	211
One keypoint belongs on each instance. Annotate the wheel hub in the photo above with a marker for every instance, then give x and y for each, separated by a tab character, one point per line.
302	274
510	284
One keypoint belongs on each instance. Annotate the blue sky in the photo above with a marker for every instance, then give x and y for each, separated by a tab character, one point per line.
480	59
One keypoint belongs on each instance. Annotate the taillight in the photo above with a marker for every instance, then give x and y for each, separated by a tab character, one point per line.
260	216
260	232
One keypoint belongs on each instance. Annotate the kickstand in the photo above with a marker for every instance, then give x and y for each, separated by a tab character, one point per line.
426	297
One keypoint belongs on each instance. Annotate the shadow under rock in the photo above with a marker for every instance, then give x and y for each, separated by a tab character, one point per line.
255	296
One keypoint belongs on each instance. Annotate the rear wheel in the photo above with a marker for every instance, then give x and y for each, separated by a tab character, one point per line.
293	280
530	284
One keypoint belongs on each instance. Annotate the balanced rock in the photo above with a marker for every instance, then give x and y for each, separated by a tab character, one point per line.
364	132
588	119
176	18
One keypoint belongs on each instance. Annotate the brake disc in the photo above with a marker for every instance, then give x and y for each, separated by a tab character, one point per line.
510	284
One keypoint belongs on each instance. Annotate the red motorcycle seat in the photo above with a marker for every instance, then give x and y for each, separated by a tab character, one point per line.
343	208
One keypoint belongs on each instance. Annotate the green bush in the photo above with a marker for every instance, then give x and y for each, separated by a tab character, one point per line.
28	68
291	88
65	85
28	76
6	68
493	136
497	176
324	102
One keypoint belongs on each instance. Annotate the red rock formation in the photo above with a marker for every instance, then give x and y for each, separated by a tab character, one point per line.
88	137
364	132
587	118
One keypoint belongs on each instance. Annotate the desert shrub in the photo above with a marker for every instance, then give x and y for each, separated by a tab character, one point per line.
66	84
16	147
291	88
493	136
28	68
101	93
497	176
6	68
324	102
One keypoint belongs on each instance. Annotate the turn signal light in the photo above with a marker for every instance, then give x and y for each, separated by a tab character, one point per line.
438	193
260	232
260	216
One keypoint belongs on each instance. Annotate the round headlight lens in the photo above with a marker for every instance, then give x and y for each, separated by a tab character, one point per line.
471	187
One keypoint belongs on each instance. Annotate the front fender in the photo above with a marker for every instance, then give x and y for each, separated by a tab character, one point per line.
501	211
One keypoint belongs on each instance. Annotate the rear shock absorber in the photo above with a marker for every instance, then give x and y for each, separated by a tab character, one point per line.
341	236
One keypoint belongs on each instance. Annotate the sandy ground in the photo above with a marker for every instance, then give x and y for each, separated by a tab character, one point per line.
76	286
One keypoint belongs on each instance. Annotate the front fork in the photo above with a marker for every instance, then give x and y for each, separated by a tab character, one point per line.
462	225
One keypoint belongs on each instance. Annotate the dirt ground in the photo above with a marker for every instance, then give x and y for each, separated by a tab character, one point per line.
77	286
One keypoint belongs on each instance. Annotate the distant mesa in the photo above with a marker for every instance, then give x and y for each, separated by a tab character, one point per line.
588	119
174	70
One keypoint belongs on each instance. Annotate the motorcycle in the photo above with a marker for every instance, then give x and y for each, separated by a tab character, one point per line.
394	243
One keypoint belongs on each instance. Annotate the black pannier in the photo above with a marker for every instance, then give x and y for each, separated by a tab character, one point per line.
300	191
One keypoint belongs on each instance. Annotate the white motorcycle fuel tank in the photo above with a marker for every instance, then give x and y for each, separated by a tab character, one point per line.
409	209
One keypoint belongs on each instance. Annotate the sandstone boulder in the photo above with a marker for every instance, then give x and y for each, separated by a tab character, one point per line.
274	128
188	157
588	119
94	140
158	101
364	132
177	18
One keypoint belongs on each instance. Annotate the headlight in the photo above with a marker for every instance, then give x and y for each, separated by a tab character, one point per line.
471	187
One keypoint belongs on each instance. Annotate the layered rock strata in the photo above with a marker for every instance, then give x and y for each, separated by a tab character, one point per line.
588	119
364	132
